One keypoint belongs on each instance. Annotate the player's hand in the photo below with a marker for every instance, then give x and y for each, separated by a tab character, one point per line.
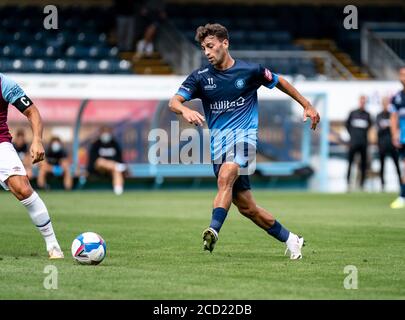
193	117
395	142
310	112
37	151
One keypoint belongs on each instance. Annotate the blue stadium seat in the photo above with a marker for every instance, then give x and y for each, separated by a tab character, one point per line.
238	36
104	66
258	36
60	65
52	52
123	67
33	51
78	51
22	37
6	65
39	66
279	36
12	50
82	66
5	38
21	65
266	24
245	24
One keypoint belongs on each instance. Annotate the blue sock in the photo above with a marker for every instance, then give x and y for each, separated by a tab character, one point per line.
218	218
278	232
402	190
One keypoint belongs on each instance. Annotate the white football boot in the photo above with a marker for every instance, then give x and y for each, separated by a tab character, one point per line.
294	245
55	252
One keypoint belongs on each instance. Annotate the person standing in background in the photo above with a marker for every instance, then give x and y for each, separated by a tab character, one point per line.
357	124
385	146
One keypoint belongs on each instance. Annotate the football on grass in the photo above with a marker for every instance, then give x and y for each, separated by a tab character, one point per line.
89	248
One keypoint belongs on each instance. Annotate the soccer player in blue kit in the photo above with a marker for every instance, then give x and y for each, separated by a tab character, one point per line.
397	118
228	90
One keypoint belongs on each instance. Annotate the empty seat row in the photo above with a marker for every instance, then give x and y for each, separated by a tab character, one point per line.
52	36
35	51
65	66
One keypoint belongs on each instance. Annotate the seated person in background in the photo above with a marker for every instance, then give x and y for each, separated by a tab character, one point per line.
105	157
57	163
21	146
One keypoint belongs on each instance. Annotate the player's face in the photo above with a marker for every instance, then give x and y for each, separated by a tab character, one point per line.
362	102
214	49
402	76
386	103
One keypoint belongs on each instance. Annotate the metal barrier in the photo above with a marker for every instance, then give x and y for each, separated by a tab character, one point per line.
376	52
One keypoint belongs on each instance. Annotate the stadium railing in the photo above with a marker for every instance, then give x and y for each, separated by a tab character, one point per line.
376	53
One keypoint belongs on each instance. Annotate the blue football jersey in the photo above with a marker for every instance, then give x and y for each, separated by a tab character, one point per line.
398	105
229	99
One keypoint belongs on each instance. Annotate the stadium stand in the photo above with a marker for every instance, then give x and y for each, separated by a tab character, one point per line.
79	45
288	27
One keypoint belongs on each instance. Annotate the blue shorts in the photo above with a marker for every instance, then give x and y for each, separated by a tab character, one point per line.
241	184
240	156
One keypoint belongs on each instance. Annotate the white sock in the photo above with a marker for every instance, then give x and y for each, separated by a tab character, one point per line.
40	218
292	237
118	190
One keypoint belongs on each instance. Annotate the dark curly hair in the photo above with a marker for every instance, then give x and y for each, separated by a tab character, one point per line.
214	29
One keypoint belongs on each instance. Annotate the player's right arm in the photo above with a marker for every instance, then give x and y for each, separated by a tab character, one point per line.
394	129
188	90
191	116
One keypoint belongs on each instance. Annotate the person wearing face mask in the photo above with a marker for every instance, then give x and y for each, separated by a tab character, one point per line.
105	158
56	163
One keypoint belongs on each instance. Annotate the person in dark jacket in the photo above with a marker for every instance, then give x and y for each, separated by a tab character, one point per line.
56	163
357	124
385	146
105	157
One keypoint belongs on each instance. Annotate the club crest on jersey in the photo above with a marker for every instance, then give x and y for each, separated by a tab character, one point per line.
240	83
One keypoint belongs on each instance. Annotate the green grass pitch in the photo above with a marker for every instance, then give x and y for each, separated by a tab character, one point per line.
154	248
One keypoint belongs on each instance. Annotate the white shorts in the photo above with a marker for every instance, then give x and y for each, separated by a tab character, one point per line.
10	163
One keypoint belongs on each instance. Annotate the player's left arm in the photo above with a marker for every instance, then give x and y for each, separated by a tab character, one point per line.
37	149
15	95
309	110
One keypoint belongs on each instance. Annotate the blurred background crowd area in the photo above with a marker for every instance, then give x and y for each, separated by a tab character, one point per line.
113	48
306	38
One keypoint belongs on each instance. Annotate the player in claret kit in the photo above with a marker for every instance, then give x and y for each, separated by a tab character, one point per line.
228	90
13	176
